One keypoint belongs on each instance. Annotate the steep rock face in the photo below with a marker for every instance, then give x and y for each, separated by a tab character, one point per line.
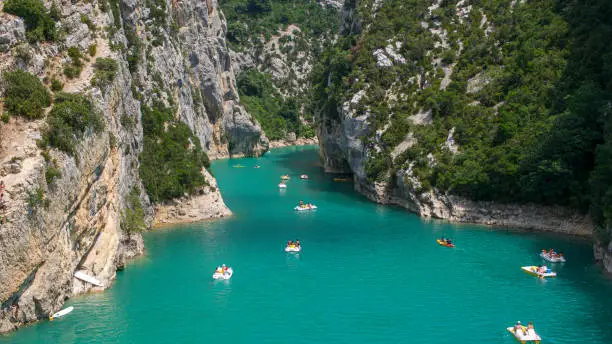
53	227
351	136
280	56
191	63
75	222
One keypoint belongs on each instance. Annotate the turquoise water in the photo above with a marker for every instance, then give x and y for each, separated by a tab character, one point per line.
367	274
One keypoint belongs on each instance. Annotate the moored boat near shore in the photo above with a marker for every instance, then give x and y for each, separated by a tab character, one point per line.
61	313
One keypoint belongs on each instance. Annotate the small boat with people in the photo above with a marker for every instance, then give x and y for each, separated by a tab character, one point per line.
524	334
285	177
552	256
445	242
305	206
293	246
223	273
61	313
256	166
539	271
304	176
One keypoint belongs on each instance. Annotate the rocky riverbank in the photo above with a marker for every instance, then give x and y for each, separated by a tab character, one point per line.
301	141
206	204
457	209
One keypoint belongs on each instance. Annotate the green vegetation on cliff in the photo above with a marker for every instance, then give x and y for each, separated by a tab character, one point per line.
25	95
276	115
38	22
105	71
72	117
281	37
524	118
251	20
172	159
132	219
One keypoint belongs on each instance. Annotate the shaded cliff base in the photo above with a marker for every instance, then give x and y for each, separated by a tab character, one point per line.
604	255
457	209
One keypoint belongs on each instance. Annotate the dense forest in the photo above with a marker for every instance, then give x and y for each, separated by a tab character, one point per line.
518	93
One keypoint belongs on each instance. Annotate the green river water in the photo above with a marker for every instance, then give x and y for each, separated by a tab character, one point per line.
367	274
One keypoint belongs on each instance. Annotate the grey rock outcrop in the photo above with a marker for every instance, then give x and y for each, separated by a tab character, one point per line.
193	64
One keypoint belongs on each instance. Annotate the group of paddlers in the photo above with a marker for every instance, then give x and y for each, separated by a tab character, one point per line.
295	243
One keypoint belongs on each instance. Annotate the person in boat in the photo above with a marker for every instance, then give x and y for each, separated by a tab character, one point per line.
309	205
218	270
543	269
518	327
530	326
289	243
449	242
297	242
301	204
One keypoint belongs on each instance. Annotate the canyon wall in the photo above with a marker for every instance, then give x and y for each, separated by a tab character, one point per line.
168	52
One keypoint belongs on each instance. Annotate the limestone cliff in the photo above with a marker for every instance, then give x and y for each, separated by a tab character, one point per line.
172	52
373	100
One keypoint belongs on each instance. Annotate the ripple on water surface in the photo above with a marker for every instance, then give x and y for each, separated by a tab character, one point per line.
367	274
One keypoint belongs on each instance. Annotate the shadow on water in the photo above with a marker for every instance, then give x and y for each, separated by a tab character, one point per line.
306	161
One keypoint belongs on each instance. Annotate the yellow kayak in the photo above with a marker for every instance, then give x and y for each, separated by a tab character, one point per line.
342	179
442	243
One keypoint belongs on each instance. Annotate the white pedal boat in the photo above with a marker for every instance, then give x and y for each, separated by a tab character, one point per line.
282	186
223	276
529	336
535	270
61	313
293	248
548	257
304	176
89	279
305	207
